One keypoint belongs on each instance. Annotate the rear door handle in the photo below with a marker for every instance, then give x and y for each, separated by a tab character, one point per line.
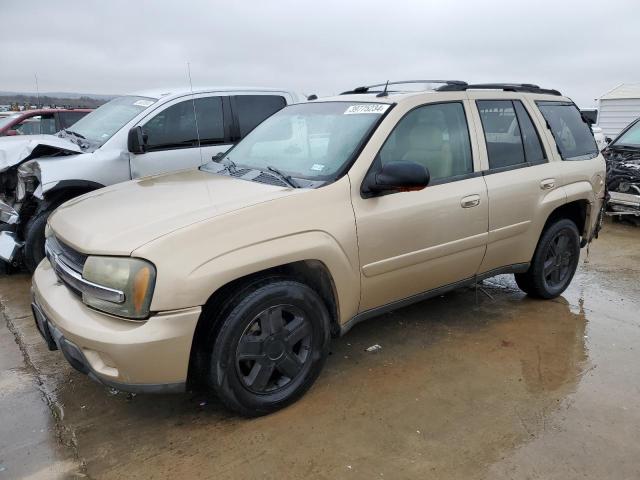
470	201
548	183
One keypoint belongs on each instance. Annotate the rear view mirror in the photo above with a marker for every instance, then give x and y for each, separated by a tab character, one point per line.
396	177
136	140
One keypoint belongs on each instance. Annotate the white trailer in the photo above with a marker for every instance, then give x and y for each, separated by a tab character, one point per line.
618	108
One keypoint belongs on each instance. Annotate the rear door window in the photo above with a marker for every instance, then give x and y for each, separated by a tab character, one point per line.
533	150
572	134
510	135
252	110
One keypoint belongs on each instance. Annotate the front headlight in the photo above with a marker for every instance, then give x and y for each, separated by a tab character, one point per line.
134	277
28	179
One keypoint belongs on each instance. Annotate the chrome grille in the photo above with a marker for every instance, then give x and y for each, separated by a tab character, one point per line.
68	263
61	255
71	257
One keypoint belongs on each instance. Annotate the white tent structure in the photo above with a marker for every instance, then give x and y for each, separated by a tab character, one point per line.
618	108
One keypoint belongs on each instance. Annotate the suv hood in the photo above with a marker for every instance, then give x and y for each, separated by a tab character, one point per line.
17	149
121	218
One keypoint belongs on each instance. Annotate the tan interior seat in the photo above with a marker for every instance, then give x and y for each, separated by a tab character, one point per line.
427	147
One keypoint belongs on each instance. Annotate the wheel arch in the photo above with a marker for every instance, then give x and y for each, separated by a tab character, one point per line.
577	210
67	189
311	272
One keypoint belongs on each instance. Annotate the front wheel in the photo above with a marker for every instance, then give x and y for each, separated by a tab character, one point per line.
271	347
554	262
33	252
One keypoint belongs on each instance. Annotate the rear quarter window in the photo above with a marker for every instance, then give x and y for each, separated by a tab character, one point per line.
572	134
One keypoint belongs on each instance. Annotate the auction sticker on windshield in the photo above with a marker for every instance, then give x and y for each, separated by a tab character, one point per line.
143	103
367	108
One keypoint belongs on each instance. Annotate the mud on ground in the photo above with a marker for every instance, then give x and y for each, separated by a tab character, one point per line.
484	384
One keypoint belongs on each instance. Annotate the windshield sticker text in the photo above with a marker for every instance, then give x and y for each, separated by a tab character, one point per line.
143	103
366	108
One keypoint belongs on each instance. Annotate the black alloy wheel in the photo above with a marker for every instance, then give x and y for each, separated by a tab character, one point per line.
274	348
554	262
559	259
267	345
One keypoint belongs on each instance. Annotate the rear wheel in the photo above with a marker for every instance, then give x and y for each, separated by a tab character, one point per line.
554	262
270	348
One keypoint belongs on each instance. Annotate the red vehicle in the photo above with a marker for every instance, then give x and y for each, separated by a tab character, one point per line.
42	121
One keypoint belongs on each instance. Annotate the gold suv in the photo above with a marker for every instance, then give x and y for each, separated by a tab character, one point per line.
235	275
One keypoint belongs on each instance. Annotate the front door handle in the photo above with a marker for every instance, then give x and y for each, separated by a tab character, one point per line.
548	183
470	201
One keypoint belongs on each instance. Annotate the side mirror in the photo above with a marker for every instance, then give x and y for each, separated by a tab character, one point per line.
136	140
396	177
608	140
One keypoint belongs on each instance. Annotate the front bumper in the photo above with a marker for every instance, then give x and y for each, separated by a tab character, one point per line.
9	244
623	204
140	357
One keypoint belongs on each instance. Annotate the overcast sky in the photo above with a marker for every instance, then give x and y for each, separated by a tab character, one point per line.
583	48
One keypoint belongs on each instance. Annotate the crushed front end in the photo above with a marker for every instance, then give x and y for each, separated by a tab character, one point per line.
20	194
623	183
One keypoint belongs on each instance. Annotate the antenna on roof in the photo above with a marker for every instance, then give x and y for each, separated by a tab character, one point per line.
384	93
195	116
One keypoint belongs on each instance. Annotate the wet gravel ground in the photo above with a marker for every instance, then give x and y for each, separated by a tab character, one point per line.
484	384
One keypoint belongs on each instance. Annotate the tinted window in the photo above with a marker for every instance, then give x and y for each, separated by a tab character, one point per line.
501	132
572	134
175	126
251	110
210	120
533	150
435	136
69	118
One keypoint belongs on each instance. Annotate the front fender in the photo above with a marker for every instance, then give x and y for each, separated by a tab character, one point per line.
99	168
201	282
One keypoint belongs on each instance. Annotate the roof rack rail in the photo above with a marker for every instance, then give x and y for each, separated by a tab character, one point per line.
452	83
507	87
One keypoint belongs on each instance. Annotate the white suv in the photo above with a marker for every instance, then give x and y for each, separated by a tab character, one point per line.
133	136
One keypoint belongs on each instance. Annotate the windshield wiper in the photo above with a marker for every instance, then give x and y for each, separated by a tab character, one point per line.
625	147
283	176
75	134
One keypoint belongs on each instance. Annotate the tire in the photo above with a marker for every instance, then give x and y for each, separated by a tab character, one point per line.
554	262
33	252
271	345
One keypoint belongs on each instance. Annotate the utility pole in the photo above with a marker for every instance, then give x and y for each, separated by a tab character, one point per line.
35	74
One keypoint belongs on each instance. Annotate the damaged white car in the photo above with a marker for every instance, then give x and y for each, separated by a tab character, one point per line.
623	174
129	137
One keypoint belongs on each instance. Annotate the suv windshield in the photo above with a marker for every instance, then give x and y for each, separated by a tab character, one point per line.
630	138
100	125
314	141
